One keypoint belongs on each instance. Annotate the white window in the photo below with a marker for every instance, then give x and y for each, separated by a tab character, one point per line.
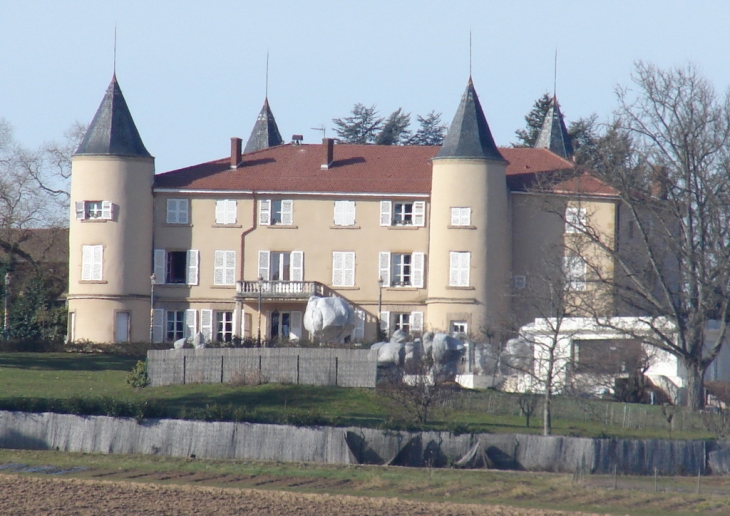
286	325
281	266
224	326
459	327
225	211
402	269
343	269
409	323
176	267
224	268
94	210
175	325
459	266
92	263
344	213
121	327
411	213
461	216
279	212
177	211
574	268
575	220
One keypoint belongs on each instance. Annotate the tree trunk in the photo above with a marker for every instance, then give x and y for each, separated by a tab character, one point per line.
695	387
547	416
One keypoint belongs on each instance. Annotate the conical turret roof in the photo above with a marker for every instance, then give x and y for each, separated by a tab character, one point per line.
265	132
469	135
554	135
112	131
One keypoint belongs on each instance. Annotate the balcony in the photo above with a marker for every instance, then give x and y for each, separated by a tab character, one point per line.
279	289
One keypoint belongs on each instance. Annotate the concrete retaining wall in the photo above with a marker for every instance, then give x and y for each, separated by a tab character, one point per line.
343	367
246	441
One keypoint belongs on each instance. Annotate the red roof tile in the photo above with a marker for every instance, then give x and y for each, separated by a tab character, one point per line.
356	168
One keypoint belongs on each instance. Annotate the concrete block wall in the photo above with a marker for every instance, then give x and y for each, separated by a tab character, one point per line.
341	367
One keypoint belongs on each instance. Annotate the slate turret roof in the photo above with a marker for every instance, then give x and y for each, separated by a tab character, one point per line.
112	131
265	132
554	135
469	135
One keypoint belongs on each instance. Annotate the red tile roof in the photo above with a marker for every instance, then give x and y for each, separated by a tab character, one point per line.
356	168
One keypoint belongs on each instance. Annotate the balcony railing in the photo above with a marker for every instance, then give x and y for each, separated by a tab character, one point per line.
279	289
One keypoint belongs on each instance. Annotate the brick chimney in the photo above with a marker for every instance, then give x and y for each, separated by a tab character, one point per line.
235	152
328	144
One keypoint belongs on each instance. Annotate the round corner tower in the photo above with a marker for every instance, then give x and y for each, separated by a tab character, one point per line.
110	231
470	230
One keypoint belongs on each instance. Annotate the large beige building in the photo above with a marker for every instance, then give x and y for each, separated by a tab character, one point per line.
414	238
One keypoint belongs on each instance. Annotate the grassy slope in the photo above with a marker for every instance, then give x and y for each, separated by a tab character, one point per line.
65	375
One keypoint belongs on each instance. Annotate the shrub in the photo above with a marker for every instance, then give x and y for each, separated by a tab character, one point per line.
139	378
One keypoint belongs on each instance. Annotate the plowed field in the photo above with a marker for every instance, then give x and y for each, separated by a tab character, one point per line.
24	495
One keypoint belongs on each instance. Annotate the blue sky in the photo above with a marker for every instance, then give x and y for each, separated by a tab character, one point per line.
193	73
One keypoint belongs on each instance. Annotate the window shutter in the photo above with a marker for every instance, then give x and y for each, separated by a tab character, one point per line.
358	333
98	271
295	326
456	216
385	323
349	213
206	324
230	275
231	211
106	210
220	212
287	213
416	322
349	269
182	211
264	265
466	216
296	271
465	267
158	318
340	213
219	266
386	217
160	277
87	262
190	324
171	217
265	213
419	213
80	210
418	260
454	263
192	278
337	269
384	267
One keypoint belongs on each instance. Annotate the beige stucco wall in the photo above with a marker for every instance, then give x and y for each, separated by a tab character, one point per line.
480	185
126	241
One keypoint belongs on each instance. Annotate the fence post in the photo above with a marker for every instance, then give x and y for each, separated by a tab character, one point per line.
297	369
221	368
185	359
337	367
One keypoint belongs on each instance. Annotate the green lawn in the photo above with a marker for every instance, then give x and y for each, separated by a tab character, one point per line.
70	376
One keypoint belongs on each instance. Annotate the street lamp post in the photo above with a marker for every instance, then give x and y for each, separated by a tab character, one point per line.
260	284
380	307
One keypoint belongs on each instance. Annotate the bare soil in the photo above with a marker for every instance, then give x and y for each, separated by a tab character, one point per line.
26	495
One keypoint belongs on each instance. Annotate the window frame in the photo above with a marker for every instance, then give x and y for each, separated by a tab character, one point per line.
178	211
343	273
178	325
226	212
459	269
344	213
92	262
460	216
224	267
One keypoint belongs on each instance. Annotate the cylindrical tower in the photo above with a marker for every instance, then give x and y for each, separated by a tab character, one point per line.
470	234
110	231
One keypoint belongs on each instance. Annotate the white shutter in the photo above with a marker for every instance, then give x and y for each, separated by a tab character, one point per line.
340	213
98	267
385	323
230	275
264	265
231	211
265	212
158	321
349	269
454	263
417	264
219	265
287	213
419	213
159	267
295	326
87	263
296	269
349	213
192	278
416	322
338	269
206	324
220	212
358	334
191	327
106	210
465	268
465	217
384	268
456	216
386	217
80	210
171	217
182	211
459	267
